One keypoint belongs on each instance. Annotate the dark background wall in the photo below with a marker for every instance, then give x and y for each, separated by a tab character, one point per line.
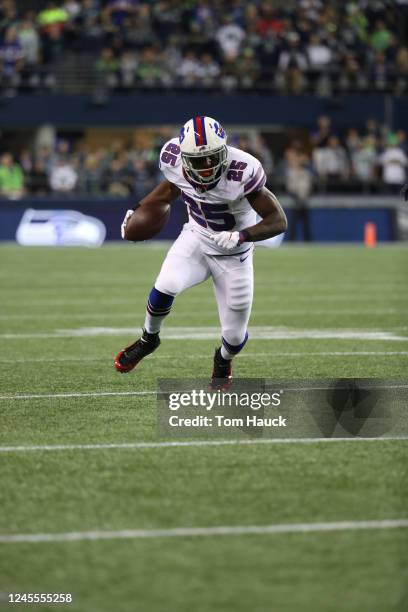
328	224
153	109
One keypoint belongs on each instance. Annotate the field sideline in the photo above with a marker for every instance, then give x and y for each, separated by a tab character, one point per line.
94	504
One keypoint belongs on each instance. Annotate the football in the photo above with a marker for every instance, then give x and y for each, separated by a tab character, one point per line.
147	221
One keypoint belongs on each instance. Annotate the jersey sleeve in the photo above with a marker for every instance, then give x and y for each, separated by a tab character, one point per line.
255	179
170	160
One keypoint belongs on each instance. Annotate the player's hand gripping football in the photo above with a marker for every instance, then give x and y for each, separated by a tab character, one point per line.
226	240
129	213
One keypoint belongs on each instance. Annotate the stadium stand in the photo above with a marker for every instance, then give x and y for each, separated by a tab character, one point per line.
61	61
124	45
370	160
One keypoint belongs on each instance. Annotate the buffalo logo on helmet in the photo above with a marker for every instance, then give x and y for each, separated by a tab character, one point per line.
219	130
182	134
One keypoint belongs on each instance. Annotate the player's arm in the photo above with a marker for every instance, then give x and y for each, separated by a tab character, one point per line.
163	194
274	221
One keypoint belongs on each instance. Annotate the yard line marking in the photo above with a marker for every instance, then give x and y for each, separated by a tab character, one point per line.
207	299
95	282
25	336
213	333
185	443
200	313
25	396
185	532
325	353
59	360
79	394
244	355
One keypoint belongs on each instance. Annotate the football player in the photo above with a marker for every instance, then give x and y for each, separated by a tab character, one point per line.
225	194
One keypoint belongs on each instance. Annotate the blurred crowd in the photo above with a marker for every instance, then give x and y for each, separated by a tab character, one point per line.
370	160
289	46
373	158
118	171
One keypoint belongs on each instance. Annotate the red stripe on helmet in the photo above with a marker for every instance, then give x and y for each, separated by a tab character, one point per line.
199	131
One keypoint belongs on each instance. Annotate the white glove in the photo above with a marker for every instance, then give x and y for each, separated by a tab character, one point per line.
129	213
226	240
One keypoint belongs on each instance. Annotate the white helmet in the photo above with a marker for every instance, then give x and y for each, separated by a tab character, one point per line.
203	145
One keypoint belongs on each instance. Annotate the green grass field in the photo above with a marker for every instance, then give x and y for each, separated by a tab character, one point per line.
55	364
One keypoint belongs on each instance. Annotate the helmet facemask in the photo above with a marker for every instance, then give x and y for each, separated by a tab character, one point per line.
205	168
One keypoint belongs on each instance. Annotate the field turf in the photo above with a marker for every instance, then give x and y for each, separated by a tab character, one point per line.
55	365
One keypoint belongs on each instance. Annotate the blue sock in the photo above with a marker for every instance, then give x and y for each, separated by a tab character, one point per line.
229	350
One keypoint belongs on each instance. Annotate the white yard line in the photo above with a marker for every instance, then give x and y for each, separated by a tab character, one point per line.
243	355
99	280
201	312
186	532
80	394
139	302
213	333
90	360
24	396
187	443
324	353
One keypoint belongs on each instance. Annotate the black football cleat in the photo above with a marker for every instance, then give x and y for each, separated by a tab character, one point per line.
222	372
128	359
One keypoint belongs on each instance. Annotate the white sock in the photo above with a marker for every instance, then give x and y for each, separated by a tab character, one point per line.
158	307
153	324
226	354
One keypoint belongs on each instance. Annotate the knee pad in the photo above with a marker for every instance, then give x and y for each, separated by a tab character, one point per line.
239	296
167	282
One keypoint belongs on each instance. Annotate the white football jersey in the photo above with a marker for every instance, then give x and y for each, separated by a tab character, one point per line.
224	207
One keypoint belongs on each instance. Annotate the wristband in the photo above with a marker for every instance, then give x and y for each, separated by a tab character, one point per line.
244	236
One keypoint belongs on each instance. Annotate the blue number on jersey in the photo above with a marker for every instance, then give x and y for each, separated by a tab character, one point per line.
215	216
169	155
235	172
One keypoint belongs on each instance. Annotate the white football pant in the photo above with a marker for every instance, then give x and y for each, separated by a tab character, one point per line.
186	265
